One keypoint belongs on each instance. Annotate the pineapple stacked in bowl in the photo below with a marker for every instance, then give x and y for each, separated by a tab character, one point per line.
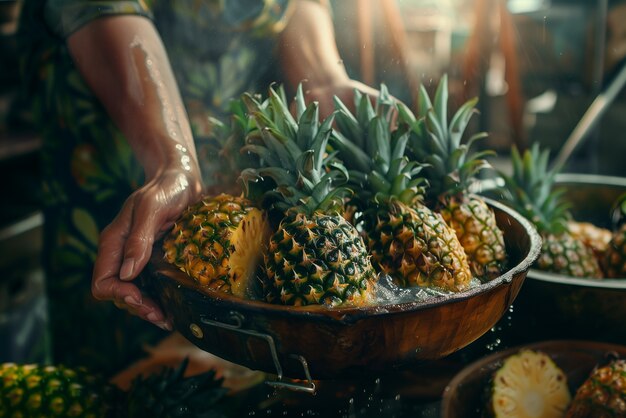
570	248
329	206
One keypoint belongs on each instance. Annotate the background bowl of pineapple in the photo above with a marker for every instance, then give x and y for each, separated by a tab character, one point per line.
551	368
322	342
552	305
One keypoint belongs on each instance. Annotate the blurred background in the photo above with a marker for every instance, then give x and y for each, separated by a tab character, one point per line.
538	67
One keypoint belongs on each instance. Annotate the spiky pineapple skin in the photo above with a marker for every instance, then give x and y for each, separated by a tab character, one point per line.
201	242
52	391
592	236
602	395
319	259
615	257
566	255
417	248
478	232
529	384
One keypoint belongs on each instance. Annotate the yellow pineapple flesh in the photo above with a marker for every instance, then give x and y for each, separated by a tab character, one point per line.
529	385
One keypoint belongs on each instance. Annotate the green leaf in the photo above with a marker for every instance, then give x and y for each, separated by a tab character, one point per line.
347	123
353	157
308	126
441	102
378	139
439	132
423	102
460	120
399	144
282	117
321	141
306	163
262	152
378	182
364	112
300	102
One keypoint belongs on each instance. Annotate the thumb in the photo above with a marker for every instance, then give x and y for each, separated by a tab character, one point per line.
111	243
147	221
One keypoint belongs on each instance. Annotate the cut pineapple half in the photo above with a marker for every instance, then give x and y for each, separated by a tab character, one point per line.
248	241
529	385
219	242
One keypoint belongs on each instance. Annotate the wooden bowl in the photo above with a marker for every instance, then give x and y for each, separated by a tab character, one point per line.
322	343
556	306
464	397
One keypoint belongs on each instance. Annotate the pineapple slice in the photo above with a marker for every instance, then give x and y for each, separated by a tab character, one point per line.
603	394
529	385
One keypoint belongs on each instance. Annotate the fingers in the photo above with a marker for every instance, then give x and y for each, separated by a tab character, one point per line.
126	244
127	296
111	265
148	219
111	245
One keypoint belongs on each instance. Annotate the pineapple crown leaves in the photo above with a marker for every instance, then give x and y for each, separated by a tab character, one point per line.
530	190
171	395
225	142
293	155
374	152
451	167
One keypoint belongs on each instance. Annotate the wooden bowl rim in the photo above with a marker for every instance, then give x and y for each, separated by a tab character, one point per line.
161	267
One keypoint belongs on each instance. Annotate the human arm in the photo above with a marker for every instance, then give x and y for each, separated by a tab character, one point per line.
123	61
308	53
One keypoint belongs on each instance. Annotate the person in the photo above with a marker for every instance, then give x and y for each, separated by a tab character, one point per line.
123	93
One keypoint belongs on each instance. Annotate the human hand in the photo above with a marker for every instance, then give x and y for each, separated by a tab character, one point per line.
344	90
126	243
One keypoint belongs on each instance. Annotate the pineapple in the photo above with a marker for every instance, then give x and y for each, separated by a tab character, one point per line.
218	150
451	169
529	191
219	242
58	391
406	239
592	236
615	256
603	394
529	385
315	257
